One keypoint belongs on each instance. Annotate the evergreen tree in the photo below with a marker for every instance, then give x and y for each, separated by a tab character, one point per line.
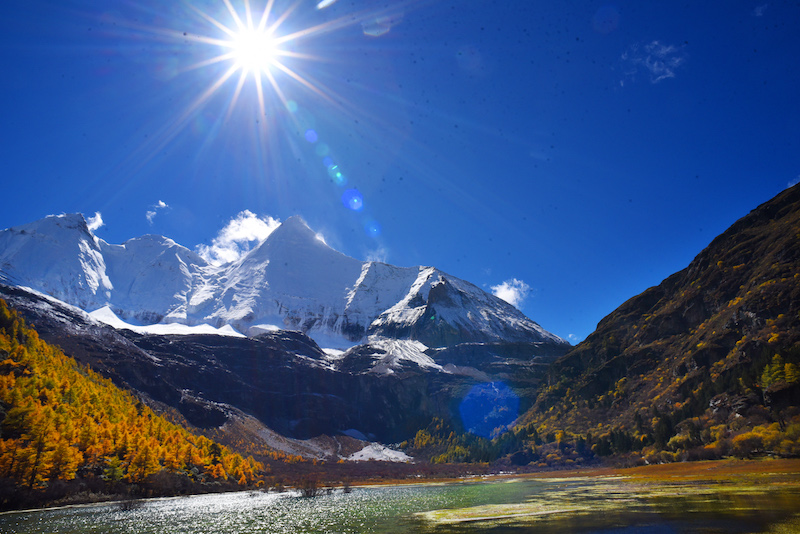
791	373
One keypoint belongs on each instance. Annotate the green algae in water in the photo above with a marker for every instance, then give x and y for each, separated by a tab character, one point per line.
596	505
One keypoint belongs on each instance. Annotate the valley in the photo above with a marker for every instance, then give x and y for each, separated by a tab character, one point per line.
396	373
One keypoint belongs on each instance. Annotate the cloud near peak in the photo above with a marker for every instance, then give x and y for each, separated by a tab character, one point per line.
379	255
237	237
95	222
513	291
151	214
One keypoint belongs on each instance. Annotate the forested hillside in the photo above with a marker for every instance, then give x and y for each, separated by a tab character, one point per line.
63	426
703	365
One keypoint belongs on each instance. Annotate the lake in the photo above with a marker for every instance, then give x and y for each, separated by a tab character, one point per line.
609	504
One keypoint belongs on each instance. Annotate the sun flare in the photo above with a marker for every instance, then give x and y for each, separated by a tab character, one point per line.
254	50
256	46
262	52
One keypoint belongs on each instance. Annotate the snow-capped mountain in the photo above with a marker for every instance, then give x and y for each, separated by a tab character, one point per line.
58	256
417	339
291	280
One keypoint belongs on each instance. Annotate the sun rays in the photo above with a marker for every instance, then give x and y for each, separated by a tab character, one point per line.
261	77
252	49
263	47
256	59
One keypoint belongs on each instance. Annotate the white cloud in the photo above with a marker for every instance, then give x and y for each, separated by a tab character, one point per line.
95	222
151	214
660	61
794	182
759	10
380	254
572	338
513	291
235	239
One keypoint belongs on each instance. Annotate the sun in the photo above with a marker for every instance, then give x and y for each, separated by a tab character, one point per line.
253	47
255	59
263	52
257	48
254	50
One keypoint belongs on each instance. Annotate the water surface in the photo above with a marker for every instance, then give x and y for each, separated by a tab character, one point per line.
591	505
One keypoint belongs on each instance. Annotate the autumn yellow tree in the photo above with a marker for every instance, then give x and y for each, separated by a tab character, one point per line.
62	418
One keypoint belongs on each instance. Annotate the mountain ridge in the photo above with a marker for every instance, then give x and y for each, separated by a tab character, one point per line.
412	341
292	279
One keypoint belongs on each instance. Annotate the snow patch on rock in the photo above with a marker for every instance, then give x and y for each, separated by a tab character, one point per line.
381	453
399	352
105	315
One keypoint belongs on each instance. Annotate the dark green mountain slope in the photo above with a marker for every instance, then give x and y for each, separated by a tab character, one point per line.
698	364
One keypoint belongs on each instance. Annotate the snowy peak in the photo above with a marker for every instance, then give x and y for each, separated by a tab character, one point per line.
291	280
441	310
65	229
298	263
60	256
295	230
139	265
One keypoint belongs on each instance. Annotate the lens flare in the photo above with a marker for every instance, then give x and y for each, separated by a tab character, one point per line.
489	409
353	200
338	178
322	150
372	228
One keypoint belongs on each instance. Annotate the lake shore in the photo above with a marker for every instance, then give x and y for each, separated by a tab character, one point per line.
713	470
710	470
728	471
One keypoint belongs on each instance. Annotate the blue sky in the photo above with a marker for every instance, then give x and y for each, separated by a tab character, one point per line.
577	151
